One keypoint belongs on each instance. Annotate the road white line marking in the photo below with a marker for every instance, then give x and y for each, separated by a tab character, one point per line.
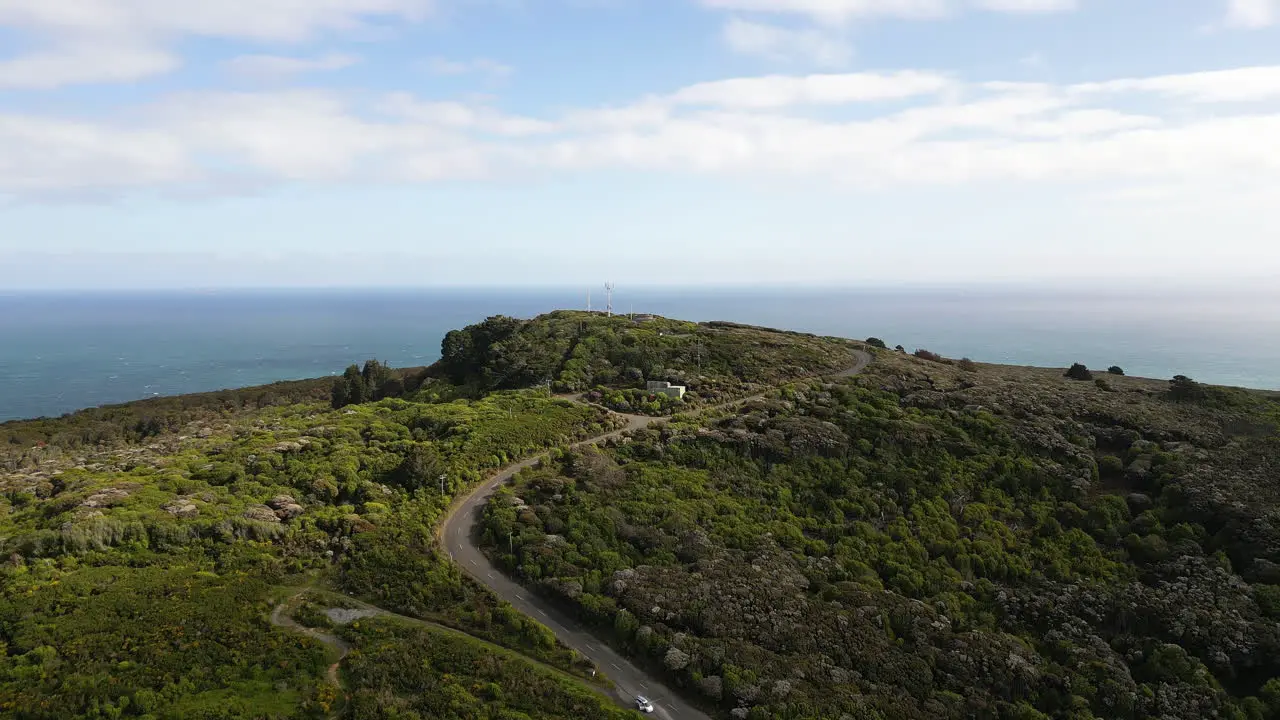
519	596
490	575
472	561
541	613
615	667
591	647
643	686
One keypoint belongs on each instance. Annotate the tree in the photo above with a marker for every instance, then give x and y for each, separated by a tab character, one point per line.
375	376
1184	389
357	390
1079	372
420	468
350	389
1115	370
339	396
876	342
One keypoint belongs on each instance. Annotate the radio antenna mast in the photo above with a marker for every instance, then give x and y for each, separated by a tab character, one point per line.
588	301
608	294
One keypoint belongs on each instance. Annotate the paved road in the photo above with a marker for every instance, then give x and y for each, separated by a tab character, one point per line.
457	532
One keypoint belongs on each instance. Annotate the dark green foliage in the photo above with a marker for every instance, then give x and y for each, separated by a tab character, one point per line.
1078	372
1115	370
929	355
847	550
630	400
967	365
577	351
417	673
137	421
120	539
311	615
1184	389
92	642
876	342
357	385
399	566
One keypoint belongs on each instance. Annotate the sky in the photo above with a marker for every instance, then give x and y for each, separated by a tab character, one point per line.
160	144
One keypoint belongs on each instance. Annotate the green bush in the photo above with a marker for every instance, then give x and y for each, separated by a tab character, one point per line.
1079	372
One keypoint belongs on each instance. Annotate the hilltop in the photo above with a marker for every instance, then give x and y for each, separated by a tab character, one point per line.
928	538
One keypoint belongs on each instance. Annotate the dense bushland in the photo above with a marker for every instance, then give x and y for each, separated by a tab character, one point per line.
419	673
927	541
138	577
577	351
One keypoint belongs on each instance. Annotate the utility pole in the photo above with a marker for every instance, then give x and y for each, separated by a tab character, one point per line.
510	547
442	484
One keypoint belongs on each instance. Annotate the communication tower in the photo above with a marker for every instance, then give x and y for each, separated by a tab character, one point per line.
608	294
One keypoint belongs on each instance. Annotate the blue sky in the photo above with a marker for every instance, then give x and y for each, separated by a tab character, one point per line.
144	143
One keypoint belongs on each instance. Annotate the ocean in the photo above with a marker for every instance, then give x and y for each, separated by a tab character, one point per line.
60	352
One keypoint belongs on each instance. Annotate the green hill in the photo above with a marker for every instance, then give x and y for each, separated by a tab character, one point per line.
927	539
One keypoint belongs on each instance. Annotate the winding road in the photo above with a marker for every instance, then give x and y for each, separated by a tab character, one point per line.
457	533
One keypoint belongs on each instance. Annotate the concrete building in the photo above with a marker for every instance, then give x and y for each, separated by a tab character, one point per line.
663	387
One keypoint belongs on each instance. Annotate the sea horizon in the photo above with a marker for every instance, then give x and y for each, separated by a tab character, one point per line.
65	350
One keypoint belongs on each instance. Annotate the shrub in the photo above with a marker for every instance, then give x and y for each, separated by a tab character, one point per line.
927	355
967	365
876	342
1115	370
899	348
1110	465
1103	385
1184	389
1079	372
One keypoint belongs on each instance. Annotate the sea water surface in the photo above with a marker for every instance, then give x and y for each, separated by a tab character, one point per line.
64	351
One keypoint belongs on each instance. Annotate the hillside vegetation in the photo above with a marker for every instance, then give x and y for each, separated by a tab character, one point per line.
931	539
614	357
139	576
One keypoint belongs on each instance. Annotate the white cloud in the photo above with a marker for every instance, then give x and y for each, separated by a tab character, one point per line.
50	156
816	47
1027	6
1251	84
460	116
839	10
1253	13
842	11
278	66
482	66
937	130
84	63
779	91
264	20
125	40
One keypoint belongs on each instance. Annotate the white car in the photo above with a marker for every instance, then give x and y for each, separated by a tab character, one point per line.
643	704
